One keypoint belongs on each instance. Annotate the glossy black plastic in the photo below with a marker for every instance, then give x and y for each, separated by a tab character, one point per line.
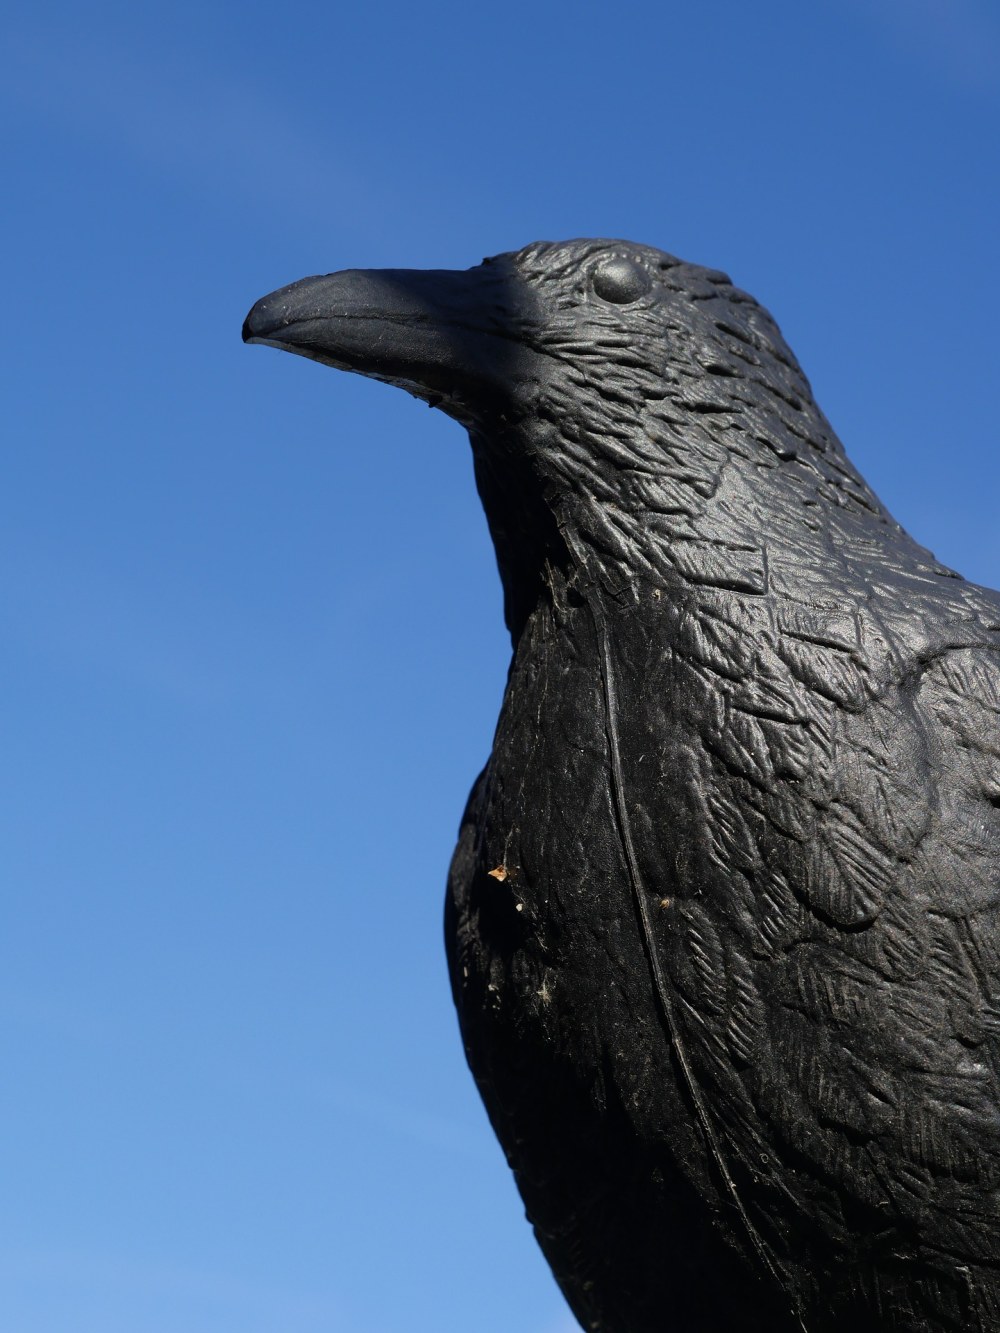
722	920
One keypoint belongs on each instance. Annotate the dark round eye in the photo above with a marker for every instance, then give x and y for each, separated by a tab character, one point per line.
620	281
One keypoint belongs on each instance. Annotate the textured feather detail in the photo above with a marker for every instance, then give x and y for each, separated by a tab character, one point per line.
724	918
849	875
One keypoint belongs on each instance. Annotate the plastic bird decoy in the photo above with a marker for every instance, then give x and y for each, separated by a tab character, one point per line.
722	921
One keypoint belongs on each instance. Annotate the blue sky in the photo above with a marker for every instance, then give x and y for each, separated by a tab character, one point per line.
253	639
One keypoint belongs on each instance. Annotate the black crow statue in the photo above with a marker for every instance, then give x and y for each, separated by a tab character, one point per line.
722	922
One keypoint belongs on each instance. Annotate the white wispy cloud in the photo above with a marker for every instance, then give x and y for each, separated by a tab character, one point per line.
959	39
224	133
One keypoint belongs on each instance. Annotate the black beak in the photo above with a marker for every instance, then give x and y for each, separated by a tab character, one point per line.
449	337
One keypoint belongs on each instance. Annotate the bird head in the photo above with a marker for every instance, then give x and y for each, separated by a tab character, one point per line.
606	387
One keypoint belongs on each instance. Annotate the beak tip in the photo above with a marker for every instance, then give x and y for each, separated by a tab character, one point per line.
252	326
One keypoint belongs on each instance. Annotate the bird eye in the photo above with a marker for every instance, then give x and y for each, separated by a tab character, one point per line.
620	281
